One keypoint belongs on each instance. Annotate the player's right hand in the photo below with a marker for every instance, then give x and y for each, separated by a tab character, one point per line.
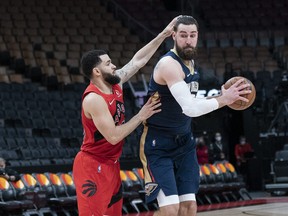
150	108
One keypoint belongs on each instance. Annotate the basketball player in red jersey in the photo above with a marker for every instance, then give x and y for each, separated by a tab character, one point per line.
96	169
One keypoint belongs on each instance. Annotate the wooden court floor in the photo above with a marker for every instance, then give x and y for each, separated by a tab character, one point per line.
271	209
271	206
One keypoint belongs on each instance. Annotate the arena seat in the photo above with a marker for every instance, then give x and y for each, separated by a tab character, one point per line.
279	173
10	201
220	187
235	186
207	186
69	184
131	196
58	200
28	188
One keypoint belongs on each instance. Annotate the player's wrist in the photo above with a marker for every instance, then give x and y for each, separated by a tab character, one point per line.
139	118
163	35
222	101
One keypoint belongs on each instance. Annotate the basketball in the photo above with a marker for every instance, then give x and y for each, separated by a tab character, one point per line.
241	105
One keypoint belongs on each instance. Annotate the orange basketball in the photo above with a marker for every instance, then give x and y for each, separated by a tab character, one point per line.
241	105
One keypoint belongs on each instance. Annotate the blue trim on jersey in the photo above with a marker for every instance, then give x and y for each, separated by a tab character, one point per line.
171	119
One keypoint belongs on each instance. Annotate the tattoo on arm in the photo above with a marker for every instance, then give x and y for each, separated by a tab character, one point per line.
127	71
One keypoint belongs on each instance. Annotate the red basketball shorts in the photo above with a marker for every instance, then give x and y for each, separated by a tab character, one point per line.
96	183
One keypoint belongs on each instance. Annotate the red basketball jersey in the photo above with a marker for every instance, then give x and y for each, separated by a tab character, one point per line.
93	141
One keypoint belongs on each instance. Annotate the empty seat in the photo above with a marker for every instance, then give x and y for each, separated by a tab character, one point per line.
59	189
278	38
223	39
264	37
31	104
55	132
20	105
68	183
56	105
47	114
11	143
14	163
37	123
10	203
9	154
50	123
11	132
45	154
21	142
31	143
250	38
43	105
281	155
26	154
131	188
40	142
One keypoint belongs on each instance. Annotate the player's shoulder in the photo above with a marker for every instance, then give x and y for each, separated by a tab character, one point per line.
93	102
168	62
167	58
91	97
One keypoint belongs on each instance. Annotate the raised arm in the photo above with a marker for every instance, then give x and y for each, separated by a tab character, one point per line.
144	54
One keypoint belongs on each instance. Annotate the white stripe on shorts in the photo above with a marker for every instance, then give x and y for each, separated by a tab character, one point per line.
187	197
166	200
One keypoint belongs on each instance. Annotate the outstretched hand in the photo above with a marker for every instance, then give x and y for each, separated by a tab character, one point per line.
150	108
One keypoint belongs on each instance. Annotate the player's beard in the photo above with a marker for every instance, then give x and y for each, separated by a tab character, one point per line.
186	53
110	78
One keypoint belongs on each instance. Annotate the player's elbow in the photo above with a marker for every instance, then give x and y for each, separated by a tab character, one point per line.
113	140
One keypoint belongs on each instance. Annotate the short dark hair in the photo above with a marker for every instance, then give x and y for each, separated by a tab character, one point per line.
90	60
186	20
